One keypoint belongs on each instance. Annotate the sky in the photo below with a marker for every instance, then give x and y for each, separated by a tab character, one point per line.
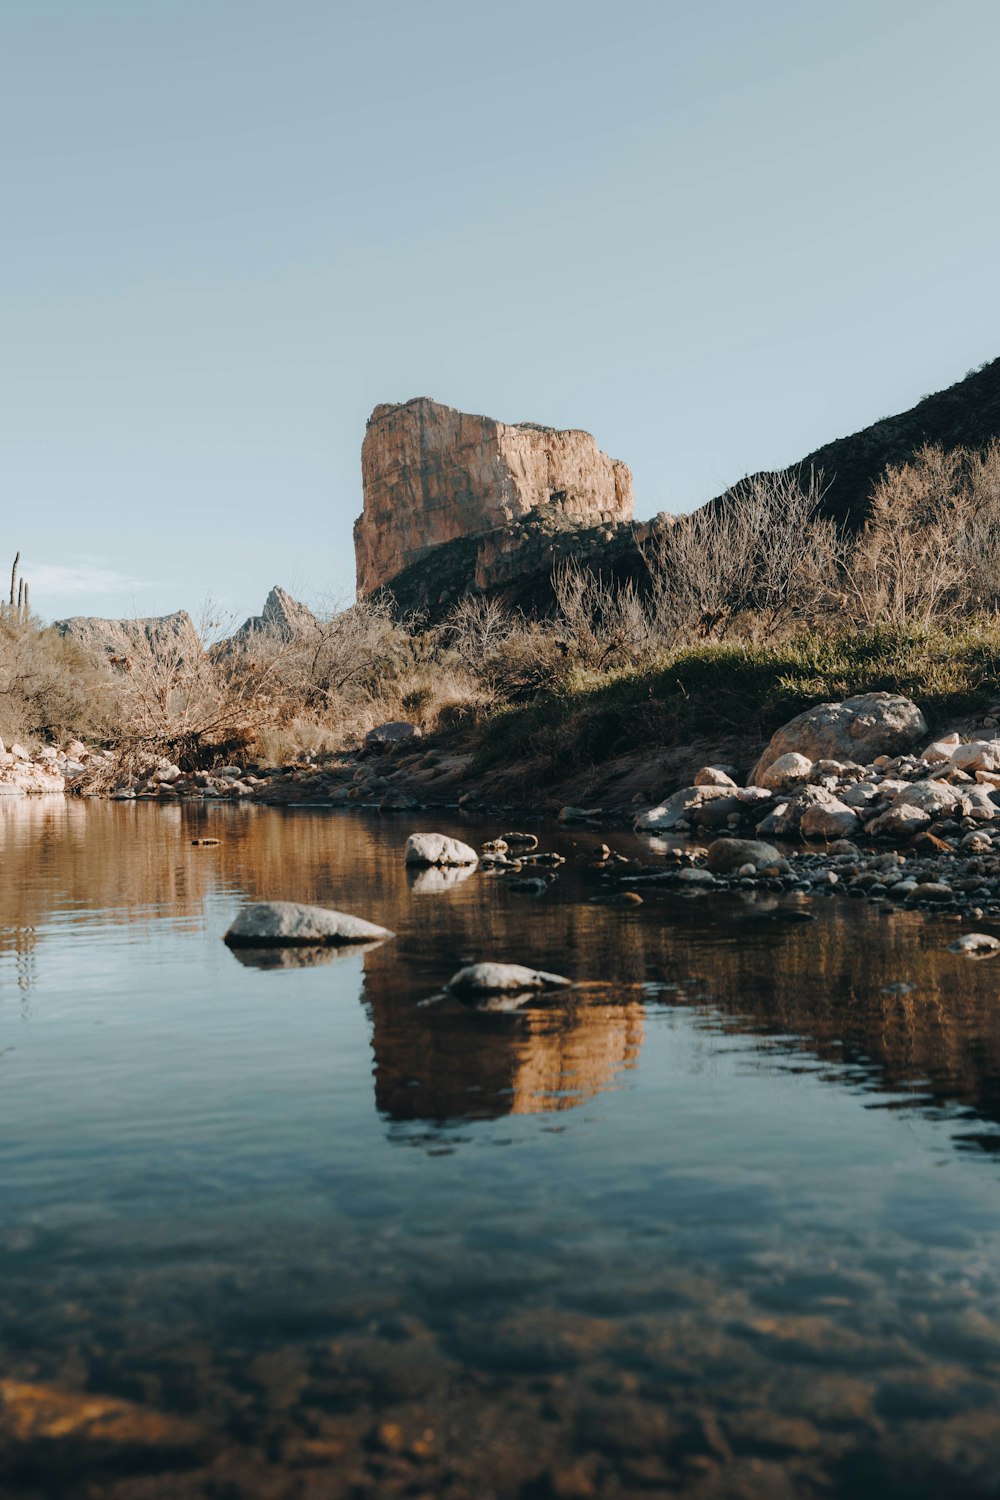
715	233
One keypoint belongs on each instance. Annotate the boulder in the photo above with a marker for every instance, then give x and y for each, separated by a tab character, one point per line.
975	945
727	855
438	849
940	750
859	729
977	755
287	923
388	736
978	803
678	809
21	778
900	821
497	978
786	772
786	820
934	797
713	776
828	818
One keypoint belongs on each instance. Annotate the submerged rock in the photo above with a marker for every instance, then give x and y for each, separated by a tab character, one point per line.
496	978
438	849
287	923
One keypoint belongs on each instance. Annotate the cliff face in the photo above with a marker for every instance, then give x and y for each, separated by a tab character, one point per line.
433	475
166	635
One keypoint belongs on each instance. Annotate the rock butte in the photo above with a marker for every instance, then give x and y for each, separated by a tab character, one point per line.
432	475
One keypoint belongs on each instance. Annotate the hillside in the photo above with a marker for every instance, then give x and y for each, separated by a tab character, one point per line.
965	414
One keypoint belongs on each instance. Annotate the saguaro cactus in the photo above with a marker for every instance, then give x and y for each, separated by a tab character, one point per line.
18	609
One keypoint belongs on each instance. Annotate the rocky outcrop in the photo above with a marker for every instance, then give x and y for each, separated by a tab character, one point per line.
433	475
281	616
857	730
165	635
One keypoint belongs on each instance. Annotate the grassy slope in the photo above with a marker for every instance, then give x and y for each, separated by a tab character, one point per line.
743	689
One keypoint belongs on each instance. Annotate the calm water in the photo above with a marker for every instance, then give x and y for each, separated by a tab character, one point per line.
723	1221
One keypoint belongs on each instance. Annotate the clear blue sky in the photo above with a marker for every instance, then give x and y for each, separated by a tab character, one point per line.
713	232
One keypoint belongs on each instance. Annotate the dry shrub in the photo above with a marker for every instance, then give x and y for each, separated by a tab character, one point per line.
762	558
50	687
930	549
600	622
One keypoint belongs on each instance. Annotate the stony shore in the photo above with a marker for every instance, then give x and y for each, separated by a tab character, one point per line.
858	798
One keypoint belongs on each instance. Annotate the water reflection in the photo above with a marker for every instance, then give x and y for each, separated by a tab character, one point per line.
220	1276
877	995
301	956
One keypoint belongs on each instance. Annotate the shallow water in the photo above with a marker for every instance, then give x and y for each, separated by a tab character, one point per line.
723	1220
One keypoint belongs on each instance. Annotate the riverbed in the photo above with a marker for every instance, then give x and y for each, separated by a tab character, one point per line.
723	1219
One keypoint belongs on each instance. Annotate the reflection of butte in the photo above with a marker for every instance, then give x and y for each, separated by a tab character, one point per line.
447	1062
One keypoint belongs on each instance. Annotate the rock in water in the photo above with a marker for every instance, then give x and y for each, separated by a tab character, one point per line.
432	475
975	945
496	979
286	923
438	849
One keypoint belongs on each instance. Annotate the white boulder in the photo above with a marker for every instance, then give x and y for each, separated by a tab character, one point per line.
497	978
289	923
860	729
786	772
438	849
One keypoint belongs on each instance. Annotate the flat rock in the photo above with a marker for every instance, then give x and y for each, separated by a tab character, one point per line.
498	979
286	923
438	849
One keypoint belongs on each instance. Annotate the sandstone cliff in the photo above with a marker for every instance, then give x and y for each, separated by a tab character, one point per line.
433	475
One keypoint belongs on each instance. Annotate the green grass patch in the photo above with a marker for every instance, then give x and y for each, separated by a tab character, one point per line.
742	689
